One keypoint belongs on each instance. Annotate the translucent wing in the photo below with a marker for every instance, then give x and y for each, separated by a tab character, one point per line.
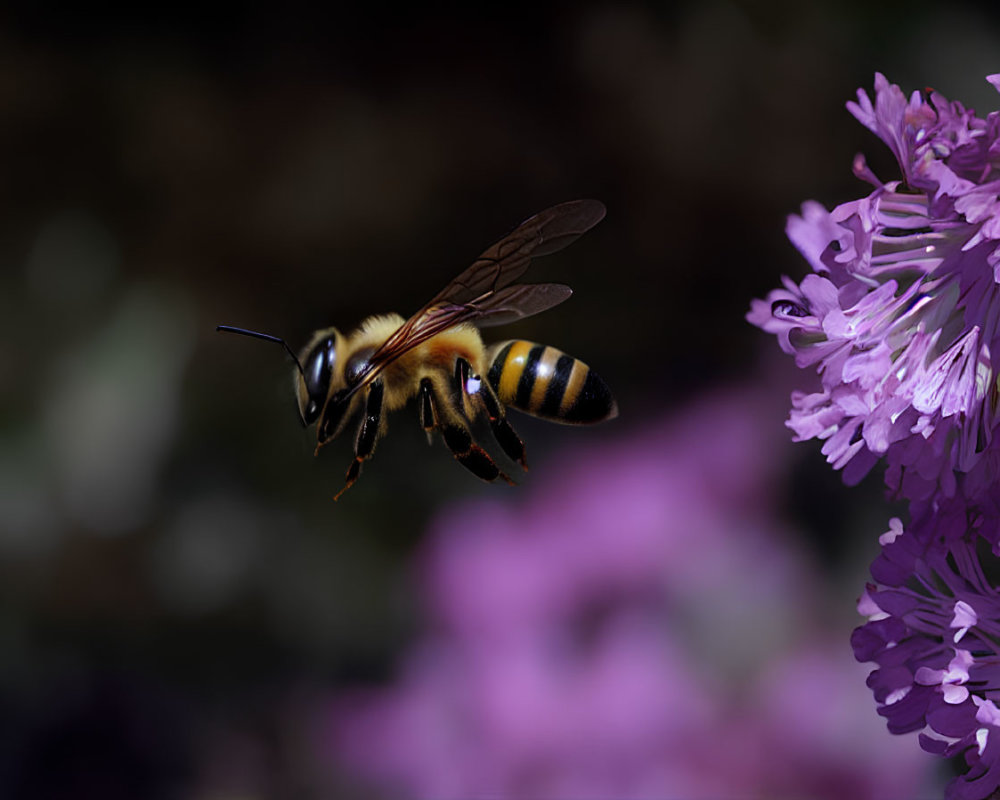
495	308
517	301
485	294
500	265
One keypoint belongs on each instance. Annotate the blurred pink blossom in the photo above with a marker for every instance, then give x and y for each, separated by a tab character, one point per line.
640	626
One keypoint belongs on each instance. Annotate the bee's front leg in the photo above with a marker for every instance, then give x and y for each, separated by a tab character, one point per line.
368	433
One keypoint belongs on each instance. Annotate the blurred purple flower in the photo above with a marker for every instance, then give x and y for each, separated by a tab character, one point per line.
638	628
900	318
934	634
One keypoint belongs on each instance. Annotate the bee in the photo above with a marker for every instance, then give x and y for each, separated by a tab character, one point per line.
438	358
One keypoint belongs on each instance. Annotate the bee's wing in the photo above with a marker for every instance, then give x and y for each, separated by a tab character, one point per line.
500	265
497	308
516	302
483	294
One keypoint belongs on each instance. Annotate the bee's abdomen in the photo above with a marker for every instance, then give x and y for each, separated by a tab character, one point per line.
545	382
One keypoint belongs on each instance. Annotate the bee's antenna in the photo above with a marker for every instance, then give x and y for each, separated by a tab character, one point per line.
266	337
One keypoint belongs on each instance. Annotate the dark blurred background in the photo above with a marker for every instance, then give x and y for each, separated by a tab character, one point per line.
177	584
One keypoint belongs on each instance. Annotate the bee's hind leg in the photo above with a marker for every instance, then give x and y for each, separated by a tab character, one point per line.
368	433
478	394
436	413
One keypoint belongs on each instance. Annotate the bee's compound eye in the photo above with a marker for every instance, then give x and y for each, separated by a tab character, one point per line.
318	372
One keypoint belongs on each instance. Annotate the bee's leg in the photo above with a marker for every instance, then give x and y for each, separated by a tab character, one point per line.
428	419
336	413
455	431
478	394
368	433
503	431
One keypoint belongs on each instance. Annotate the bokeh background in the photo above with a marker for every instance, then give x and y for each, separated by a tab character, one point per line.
185	613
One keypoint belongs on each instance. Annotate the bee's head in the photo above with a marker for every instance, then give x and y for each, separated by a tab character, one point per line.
312	381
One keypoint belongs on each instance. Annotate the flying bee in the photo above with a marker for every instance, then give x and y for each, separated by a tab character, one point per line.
438	357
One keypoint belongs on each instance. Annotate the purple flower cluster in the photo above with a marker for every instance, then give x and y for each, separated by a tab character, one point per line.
638	628
934	631
901	320
899	317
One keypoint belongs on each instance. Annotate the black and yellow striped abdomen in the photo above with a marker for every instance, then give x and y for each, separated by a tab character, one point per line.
545	382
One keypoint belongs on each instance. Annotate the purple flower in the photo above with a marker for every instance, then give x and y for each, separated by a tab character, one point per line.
934	632
900	315
607	639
